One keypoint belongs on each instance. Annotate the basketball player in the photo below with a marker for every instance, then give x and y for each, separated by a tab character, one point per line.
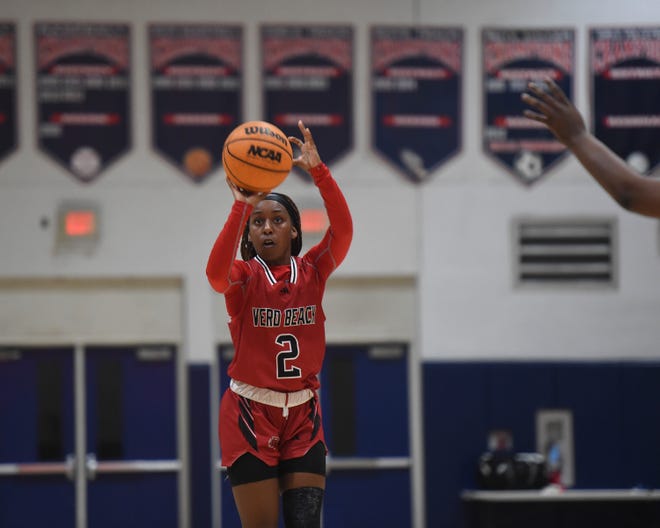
632	191
271	436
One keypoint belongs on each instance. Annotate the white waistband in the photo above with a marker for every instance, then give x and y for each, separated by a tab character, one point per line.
271	397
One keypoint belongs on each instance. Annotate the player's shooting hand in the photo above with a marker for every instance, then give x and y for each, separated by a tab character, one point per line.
309	155
241	195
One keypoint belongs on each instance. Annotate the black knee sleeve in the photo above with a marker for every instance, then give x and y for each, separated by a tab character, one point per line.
301	507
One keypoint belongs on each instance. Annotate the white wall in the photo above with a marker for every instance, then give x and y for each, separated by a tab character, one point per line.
473	309
470	307
453	231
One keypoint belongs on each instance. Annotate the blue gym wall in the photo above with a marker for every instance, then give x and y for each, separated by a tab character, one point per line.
616	422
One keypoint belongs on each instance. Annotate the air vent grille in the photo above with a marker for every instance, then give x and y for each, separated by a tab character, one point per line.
566	251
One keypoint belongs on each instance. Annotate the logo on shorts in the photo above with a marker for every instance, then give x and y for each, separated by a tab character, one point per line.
274	442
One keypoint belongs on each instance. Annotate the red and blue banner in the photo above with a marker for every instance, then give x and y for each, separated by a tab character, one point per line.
8	103
625	99
416	83
511	59
83	94
308	75
196	93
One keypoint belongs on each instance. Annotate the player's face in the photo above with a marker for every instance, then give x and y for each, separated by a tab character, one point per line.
271	232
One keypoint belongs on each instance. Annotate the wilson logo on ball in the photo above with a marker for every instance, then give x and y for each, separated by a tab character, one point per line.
265	131
265	153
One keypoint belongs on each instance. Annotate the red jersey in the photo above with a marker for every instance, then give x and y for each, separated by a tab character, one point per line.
277	322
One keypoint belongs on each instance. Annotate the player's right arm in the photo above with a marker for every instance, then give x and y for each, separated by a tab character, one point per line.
630	190
221	271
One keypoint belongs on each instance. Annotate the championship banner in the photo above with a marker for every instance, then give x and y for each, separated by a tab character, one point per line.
625	74
196	93
8	103
307	75
511	59
416	80
83	94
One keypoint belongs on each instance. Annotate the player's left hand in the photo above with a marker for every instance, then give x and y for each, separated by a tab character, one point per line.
309	155
552	108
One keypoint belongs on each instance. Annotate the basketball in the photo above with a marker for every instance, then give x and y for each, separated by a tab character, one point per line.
197	162
257	156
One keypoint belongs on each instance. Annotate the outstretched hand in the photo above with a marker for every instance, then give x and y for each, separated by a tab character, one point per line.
554	110
309	155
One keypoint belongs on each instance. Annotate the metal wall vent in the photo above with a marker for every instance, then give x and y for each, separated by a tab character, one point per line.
566	251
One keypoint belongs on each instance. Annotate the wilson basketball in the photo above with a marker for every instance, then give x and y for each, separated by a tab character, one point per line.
257	156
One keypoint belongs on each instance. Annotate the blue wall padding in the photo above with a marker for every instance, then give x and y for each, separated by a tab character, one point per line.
616	421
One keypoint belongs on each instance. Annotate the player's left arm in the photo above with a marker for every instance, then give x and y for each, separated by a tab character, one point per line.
333	248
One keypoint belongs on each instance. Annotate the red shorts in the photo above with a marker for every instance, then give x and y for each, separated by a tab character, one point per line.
247	426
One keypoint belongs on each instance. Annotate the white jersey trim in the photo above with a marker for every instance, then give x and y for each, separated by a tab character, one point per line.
271	277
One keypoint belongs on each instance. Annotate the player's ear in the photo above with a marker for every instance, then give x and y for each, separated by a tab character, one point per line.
294	233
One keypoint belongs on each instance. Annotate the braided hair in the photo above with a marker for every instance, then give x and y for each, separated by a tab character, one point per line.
247	249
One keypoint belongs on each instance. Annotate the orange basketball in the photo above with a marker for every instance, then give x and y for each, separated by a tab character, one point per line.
257	156
197	162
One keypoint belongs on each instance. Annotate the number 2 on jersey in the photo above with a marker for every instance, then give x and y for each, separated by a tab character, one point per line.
291	351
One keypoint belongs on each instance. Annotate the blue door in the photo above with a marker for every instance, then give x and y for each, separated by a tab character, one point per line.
88	437
364	397
37	485
131	464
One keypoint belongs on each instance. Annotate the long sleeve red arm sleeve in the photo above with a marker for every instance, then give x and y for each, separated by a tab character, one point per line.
333	248
223	253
